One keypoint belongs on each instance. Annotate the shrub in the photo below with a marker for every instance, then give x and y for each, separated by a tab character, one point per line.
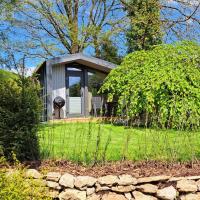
13	185
20	109
159	87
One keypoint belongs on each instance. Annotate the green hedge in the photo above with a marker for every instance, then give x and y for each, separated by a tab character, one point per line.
159	87
20	109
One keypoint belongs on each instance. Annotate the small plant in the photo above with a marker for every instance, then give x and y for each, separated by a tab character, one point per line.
97	147
13	184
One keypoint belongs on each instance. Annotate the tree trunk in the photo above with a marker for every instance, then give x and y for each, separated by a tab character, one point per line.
96	47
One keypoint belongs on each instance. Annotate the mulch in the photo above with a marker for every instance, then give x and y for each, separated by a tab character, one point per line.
136	169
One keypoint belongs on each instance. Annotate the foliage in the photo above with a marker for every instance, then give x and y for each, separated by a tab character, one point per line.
6	8
145	26
14	186
66	26
109	52
20	109
159	87
178	20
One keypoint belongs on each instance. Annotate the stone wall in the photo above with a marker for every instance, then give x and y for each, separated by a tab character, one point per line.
123	187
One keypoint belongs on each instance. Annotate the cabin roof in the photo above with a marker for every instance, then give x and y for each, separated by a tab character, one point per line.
83	59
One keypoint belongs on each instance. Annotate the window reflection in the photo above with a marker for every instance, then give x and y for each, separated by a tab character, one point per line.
74	86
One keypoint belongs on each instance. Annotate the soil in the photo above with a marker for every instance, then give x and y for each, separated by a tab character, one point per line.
136	169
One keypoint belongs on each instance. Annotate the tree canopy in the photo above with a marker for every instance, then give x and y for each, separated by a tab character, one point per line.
159	87
109	52
67	26
32	31
145	26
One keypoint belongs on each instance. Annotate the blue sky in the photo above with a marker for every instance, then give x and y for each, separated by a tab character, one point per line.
20	35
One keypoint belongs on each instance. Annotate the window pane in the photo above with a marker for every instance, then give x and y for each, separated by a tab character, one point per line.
74	86
95	81
73	69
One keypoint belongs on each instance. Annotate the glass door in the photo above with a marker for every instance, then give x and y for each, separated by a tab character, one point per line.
75	93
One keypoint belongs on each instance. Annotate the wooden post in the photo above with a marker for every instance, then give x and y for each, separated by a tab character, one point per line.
49	87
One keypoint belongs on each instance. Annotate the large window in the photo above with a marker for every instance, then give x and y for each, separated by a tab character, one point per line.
95	81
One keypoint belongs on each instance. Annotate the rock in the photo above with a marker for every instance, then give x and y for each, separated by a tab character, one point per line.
101	188
193	177
198	185
140	196
53	185
113	196
147	188
94	197
168	193
90	191
181	178
186	186
128	196
153	179
123	189
127	180
67	180
84	181
190	197
53	176
53	194
108	180
175	179
33	173
72	194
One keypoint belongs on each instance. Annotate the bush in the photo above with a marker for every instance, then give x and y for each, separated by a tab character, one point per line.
20	109
159	87
13	185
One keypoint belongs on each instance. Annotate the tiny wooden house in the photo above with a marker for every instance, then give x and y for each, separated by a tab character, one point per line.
76	78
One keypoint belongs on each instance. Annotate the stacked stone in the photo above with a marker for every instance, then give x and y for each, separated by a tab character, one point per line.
123	187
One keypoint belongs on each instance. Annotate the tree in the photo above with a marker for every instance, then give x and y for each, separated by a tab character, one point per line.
161	91
180	20
66	26
145	26
109	52
176	19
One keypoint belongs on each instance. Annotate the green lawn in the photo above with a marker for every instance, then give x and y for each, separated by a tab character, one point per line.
86	142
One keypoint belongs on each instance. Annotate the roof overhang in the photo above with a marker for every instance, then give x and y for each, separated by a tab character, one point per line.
80	58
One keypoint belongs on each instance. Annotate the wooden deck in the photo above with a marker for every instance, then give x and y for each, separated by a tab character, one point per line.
83	119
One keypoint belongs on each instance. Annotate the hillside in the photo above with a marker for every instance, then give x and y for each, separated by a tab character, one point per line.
4	74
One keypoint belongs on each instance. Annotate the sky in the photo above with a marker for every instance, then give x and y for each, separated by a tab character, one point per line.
31	63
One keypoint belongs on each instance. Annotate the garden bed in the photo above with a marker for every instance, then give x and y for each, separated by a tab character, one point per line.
138	169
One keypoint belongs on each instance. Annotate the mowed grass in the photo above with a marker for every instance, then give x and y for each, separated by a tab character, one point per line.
90	142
